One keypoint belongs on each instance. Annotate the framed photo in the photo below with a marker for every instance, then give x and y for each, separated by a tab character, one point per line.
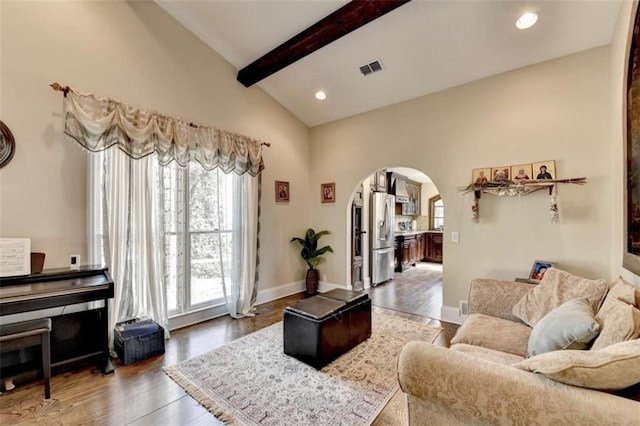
500	174
631	250
480	177
282	191
521	172
328	192
538	270
544	170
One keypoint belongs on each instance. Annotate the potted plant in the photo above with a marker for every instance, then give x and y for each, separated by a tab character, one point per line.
311	254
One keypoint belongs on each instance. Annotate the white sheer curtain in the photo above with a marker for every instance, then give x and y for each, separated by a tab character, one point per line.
127	233
239	277
131	145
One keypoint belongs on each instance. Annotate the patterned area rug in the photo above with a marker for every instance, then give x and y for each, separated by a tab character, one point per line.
251	381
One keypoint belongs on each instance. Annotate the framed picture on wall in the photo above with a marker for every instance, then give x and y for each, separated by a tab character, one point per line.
544	170
500	174
7	145
480	177
282	191
521	172
328	192
631	188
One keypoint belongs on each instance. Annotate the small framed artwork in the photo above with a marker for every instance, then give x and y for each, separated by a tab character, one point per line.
521	172
545	170
480	177
282	191
500	174
328	192
538	269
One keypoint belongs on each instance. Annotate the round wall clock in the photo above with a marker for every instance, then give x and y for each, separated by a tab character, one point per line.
7	145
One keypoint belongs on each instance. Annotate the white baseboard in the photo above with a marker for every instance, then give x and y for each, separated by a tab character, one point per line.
266	295
451	314
278	292
325	286
263	296
292	288
197	317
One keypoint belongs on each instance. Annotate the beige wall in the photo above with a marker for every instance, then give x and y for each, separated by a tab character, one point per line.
137	53
558	110
567	109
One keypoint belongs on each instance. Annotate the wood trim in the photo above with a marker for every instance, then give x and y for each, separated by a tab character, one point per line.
348	18
432	200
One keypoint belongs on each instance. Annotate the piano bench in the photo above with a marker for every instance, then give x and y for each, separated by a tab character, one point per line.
25	334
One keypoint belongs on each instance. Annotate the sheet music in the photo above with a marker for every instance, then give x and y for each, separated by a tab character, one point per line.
15	256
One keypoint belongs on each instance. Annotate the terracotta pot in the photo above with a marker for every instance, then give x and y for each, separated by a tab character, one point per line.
312	281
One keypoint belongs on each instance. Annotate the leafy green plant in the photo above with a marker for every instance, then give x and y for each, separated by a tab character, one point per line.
310	251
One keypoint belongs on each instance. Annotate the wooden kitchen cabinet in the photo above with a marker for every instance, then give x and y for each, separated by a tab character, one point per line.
397	255
421	247
413	251
408	246
434	247
415	190
379	183
409	191
406	252
410	249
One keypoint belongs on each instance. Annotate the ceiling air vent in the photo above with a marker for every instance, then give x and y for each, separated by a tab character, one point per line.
370	68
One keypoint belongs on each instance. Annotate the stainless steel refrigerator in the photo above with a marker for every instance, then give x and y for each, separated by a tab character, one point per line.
382	216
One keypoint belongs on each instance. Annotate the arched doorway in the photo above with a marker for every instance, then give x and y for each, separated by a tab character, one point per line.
404	272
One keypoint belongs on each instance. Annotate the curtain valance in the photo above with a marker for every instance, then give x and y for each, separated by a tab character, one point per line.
100	123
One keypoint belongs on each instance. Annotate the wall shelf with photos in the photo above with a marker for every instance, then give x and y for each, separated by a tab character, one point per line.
517	180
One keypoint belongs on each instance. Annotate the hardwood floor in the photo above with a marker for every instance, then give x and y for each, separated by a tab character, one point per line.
142	394
417	290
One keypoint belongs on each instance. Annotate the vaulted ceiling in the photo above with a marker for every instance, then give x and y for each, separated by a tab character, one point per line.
424	46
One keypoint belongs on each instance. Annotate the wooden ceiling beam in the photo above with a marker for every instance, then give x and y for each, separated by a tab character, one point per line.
348	18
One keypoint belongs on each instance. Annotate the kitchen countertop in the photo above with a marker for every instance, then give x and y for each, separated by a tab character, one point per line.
410	233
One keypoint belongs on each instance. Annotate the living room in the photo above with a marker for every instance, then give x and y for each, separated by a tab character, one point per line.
568	109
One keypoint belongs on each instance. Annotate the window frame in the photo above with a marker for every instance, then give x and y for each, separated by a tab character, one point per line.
184	289
432	201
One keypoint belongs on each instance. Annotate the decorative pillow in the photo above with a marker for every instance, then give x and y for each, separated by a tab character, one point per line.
625	291
557	287
569	326
494	333
620	321
622	290
612	368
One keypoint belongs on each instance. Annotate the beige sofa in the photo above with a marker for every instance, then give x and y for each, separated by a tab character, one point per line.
474	381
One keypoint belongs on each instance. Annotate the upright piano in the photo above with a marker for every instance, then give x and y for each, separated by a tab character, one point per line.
75	336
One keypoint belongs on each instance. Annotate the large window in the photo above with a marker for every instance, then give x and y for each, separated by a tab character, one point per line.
436	213
198	239
187	231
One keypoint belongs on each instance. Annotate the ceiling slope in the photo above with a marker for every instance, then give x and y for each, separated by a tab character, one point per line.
348	18
425	46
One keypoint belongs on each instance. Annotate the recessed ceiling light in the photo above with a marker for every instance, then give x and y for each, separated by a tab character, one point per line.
527	20
320	95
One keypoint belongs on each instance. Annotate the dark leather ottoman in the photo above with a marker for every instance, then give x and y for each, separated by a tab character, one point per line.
319	329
